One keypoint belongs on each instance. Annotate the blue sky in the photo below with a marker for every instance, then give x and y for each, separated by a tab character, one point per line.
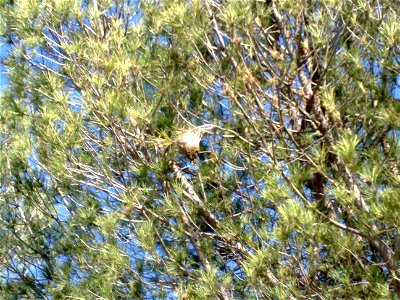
3	77
3	80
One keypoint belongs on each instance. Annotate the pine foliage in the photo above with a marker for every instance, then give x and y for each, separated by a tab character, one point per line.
294	195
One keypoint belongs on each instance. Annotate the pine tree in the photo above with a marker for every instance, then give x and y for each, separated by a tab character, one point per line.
293	195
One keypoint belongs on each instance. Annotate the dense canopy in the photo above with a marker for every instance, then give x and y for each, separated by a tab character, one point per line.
294	194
